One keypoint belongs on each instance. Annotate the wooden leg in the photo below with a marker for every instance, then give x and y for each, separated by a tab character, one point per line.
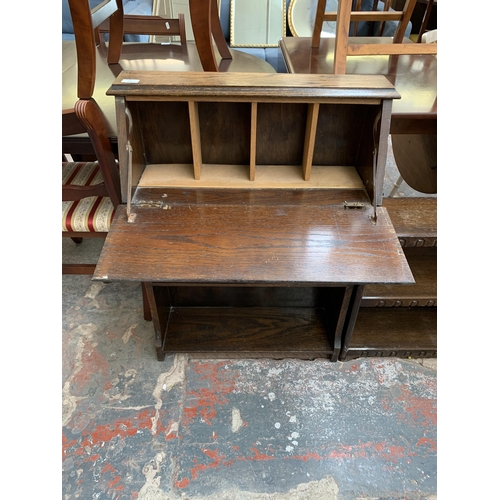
427	15
352	314
145	304
77	240
218	34
337	301
342	37
115	37
158	298
200	11
318	23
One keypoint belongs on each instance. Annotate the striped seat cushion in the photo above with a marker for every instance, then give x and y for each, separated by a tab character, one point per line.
91	214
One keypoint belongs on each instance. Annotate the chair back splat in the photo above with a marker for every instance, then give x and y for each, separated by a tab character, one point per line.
108	17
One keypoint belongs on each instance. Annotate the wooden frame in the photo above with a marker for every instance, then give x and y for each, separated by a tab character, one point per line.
255	264
343	18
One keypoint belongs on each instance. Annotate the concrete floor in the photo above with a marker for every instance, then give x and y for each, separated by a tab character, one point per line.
136	428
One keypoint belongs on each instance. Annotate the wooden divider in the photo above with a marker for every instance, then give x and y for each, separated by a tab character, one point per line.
194	122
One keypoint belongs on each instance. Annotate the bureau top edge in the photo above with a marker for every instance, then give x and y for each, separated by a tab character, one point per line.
253	85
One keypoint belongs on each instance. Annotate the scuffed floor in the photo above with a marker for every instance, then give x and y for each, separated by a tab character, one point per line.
136	428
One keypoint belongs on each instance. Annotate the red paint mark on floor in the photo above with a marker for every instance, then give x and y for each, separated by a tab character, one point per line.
123	427
203	402
183	483
431	443
308	456
257	455
114	482
66	445
107	468
93	438
368	451
419	410
93	363
217	460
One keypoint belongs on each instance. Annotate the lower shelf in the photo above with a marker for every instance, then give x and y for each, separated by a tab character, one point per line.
400	332
298	332
423	264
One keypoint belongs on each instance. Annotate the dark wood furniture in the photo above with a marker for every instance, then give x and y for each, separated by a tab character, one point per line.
402	320
253	208
101	184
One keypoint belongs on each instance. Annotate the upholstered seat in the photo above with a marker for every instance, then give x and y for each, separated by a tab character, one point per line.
91	214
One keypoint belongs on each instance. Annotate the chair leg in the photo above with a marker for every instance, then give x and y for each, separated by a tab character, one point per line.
77	240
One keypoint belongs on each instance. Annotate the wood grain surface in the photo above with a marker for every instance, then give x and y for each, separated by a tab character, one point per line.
252	244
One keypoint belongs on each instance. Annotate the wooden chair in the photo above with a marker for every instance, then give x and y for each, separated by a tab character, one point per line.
88	24
343	18
149	25
90	190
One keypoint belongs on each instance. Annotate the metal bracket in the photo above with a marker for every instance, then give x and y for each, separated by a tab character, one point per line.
129	150
354	204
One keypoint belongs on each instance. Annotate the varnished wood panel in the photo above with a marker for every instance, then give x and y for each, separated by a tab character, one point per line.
252	296
269	197
256	86
170	142
225	129
342	131
252	244
287	332
281	129
423	264
414	219
401	331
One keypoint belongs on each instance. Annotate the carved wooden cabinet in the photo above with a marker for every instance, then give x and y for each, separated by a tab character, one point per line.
401	320
252	208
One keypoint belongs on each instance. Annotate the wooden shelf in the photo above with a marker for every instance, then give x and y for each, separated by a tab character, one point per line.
401	332
249	332
414	219
240	176
423	265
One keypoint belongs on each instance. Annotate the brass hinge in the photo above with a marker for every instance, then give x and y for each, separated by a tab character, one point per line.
354	204
357	205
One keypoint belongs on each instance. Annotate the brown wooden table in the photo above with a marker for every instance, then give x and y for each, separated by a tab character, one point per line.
414	77
143	57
